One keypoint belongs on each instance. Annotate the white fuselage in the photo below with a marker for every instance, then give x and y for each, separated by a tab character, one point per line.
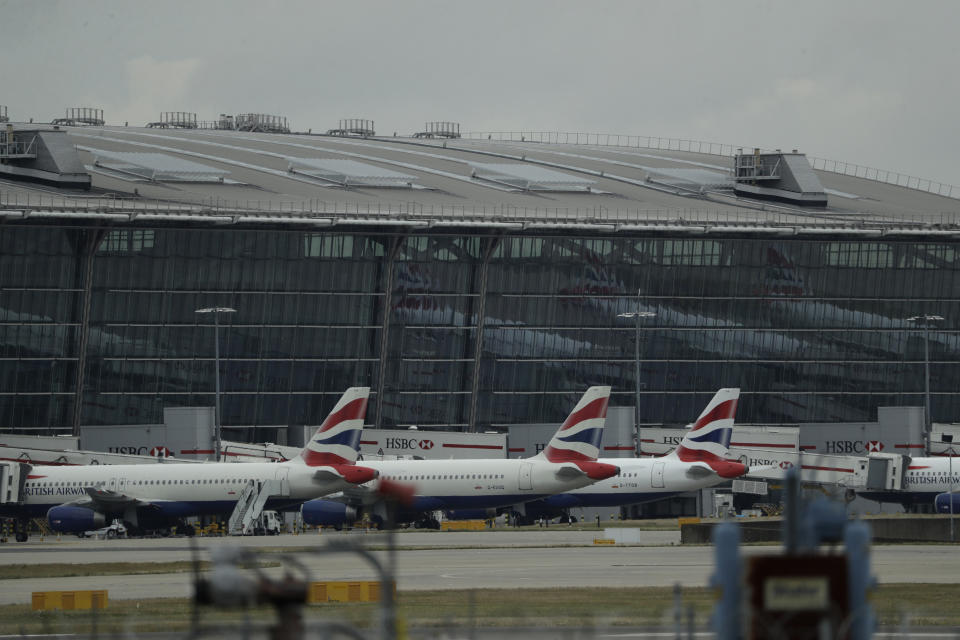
465	484
183	488
932	475
666	474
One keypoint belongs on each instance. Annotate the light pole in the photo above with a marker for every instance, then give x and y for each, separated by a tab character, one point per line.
926	320
636	315
216	311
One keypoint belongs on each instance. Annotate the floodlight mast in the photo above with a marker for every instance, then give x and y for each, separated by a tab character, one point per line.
928	422
216	311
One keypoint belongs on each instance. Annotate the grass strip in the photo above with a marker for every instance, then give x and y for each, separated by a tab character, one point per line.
489	608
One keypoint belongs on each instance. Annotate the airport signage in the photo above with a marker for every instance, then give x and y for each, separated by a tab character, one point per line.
432	445
659	441
844	447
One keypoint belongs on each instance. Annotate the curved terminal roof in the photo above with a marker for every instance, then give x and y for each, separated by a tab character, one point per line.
240	177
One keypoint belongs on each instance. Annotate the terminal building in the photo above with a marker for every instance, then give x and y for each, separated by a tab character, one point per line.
472	281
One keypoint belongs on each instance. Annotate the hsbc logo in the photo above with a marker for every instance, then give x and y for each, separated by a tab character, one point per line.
786	464
844	446
874	446
408	443
135	451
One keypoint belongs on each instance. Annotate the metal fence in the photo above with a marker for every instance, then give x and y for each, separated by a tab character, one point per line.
713	148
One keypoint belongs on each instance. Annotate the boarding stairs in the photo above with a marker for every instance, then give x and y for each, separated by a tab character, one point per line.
250	505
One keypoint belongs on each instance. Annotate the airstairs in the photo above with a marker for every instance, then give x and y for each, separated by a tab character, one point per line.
252	500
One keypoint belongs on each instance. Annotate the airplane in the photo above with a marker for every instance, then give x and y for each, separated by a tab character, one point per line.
568	462
700	461
927	480
152	497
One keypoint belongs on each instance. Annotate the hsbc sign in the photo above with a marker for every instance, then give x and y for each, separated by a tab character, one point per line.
845	447
408	444
432	445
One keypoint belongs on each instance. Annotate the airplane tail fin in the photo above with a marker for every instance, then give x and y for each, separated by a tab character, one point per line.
337	441
578	439
708	441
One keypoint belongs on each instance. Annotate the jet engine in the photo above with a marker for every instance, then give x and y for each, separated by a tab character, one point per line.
327	512
942	503
69	519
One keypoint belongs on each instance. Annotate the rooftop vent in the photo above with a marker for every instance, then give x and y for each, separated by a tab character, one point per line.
261	122
176	120
43	156
17	147
3	114
529	177
439	130
82	115
156	167
349	173
787	177
353	127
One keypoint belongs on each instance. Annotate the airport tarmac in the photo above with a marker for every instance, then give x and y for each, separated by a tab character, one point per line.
442	560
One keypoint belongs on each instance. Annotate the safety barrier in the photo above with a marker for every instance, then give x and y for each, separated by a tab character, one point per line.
463	525
69	600
345	591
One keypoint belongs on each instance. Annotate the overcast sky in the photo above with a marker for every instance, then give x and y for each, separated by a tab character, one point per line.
872	82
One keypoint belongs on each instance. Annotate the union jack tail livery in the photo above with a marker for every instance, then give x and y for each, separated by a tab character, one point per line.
337	441
578	439
708	441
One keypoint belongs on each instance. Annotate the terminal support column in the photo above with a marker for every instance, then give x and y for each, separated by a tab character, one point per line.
478	338
385	327
86	247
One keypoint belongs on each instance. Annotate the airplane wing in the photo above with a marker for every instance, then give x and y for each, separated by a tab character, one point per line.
107	500
354	495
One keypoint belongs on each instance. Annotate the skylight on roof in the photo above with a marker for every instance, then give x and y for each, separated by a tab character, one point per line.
349	173
158	167
529	177
690	178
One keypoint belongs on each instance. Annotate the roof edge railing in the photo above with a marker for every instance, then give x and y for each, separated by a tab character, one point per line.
660	143
24	205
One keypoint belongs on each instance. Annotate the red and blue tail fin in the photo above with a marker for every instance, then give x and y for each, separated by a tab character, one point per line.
708	440
337	441
578	439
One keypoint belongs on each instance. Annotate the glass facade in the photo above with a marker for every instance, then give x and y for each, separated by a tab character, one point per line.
99	326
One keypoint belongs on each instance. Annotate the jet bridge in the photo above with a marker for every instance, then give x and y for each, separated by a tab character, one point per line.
878	472
13	477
